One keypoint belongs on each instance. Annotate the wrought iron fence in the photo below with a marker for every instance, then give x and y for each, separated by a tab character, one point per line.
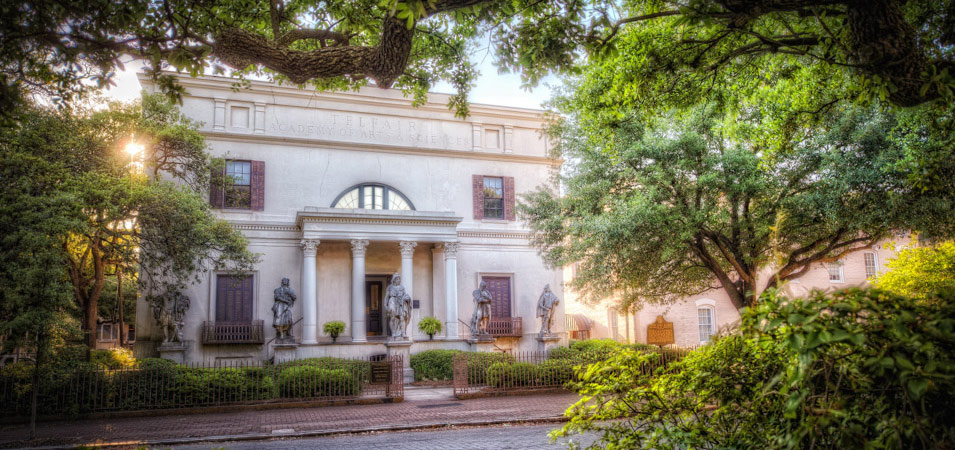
160	384
501	372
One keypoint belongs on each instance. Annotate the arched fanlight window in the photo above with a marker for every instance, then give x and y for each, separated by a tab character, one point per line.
372	196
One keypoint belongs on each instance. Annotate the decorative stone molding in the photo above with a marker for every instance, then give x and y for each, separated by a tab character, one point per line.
218	119
259	118
494	235
255	227
450	250
310	246
380	221
407	248
358	247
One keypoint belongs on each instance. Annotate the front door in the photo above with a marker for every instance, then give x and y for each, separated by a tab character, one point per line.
374	308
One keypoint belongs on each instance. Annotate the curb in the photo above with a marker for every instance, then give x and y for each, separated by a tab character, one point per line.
303	434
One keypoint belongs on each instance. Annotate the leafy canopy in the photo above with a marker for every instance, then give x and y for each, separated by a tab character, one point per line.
687	203
658	52
96	209
921	271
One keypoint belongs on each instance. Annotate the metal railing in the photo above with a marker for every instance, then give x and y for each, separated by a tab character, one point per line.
251	332
505	327
160	384
497	372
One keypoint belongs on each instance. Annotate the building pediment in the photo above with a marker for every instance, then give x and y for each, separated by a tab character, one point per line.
378	225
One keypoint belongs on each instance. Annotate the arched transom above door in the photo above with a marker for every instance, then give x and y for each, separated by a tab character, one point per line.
373	196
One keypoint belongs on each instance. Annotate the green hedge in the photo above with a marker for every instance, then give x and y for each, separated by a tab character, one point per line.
160	383
434	364
310	381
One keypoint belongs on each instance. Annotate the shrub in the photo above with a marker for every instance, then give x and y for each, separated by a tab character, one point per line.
595	345
556	372
478	363
113	359
562	353
851	369
304	382
434	364
513	374
334	328
430	326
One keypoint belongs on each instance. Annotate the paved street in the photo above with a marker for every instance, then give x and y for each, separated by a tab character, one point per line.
532	437
420	409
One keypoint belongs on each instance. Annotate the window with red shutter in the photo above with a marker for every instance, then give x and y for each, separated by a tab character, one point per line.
258	186
477	189
509	198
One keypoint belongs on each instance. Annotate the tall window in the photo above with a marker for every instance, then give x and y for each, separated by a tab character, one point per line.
870	267
372	196
493	197
238	184
835	271
706	324
612	323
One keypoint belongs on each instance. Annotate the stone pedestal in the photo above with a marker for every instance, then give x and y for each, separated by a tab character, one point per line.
174	351
481	343
547	342
284	352
402	348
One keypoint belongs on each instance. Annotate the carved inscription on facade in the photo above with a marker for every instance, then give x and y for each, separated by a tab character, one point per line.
660	332
367	128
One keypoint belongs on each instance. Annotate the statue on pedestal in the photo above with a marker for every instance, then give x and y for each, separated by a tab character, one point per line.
482	310
169	310
398	306
282	311
545	309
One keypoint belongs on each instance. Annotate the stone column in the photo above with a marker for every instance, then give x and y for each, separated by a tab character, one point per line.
407	262
451	288
358	247
309	291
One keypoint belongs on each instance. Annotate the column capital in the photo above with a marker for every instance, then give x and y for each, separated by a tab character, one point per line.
310	246
358	247
407	248
450	250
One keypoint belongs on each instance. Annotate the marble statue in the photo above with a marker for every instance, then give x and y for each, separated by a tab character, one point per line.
169	310
398	306
282	311
482	310
546	304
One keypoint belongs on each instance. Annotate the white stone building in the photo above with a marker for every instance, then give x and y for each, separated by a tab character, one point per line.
338	191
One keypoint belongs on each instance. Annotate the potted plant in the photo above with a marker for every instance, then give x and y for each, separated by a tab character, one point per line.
430	326
334	328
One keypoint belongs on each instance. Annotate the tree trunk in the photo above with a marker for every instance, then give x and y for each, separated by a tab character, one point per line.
37	363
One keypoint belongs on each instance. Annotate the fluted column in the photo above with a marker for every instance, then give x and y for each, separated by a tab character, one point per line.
451	288
358	247
309	291
407	264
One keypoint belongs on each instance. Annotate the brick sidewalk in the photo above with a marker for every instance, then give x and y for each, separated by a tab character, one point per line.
293	421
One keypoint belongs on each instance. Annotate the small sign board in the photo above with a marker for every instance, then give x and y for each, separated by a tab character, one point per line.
381	372
660	332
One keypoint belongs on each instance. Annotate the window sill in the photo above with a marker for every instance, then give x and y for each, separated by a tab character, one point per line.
495	221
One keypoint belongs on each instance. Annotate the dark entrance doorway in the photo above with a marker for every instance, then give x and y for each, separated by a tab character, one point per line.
374	305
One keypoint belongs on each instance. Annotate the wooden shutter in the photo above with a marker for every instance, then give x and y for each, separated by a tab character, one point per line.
477	186
500	288
217	188
233	299
509	198
257	187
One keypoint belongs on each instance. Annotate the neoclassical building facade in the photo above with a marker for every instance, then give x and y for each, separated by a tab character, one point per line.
339	191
